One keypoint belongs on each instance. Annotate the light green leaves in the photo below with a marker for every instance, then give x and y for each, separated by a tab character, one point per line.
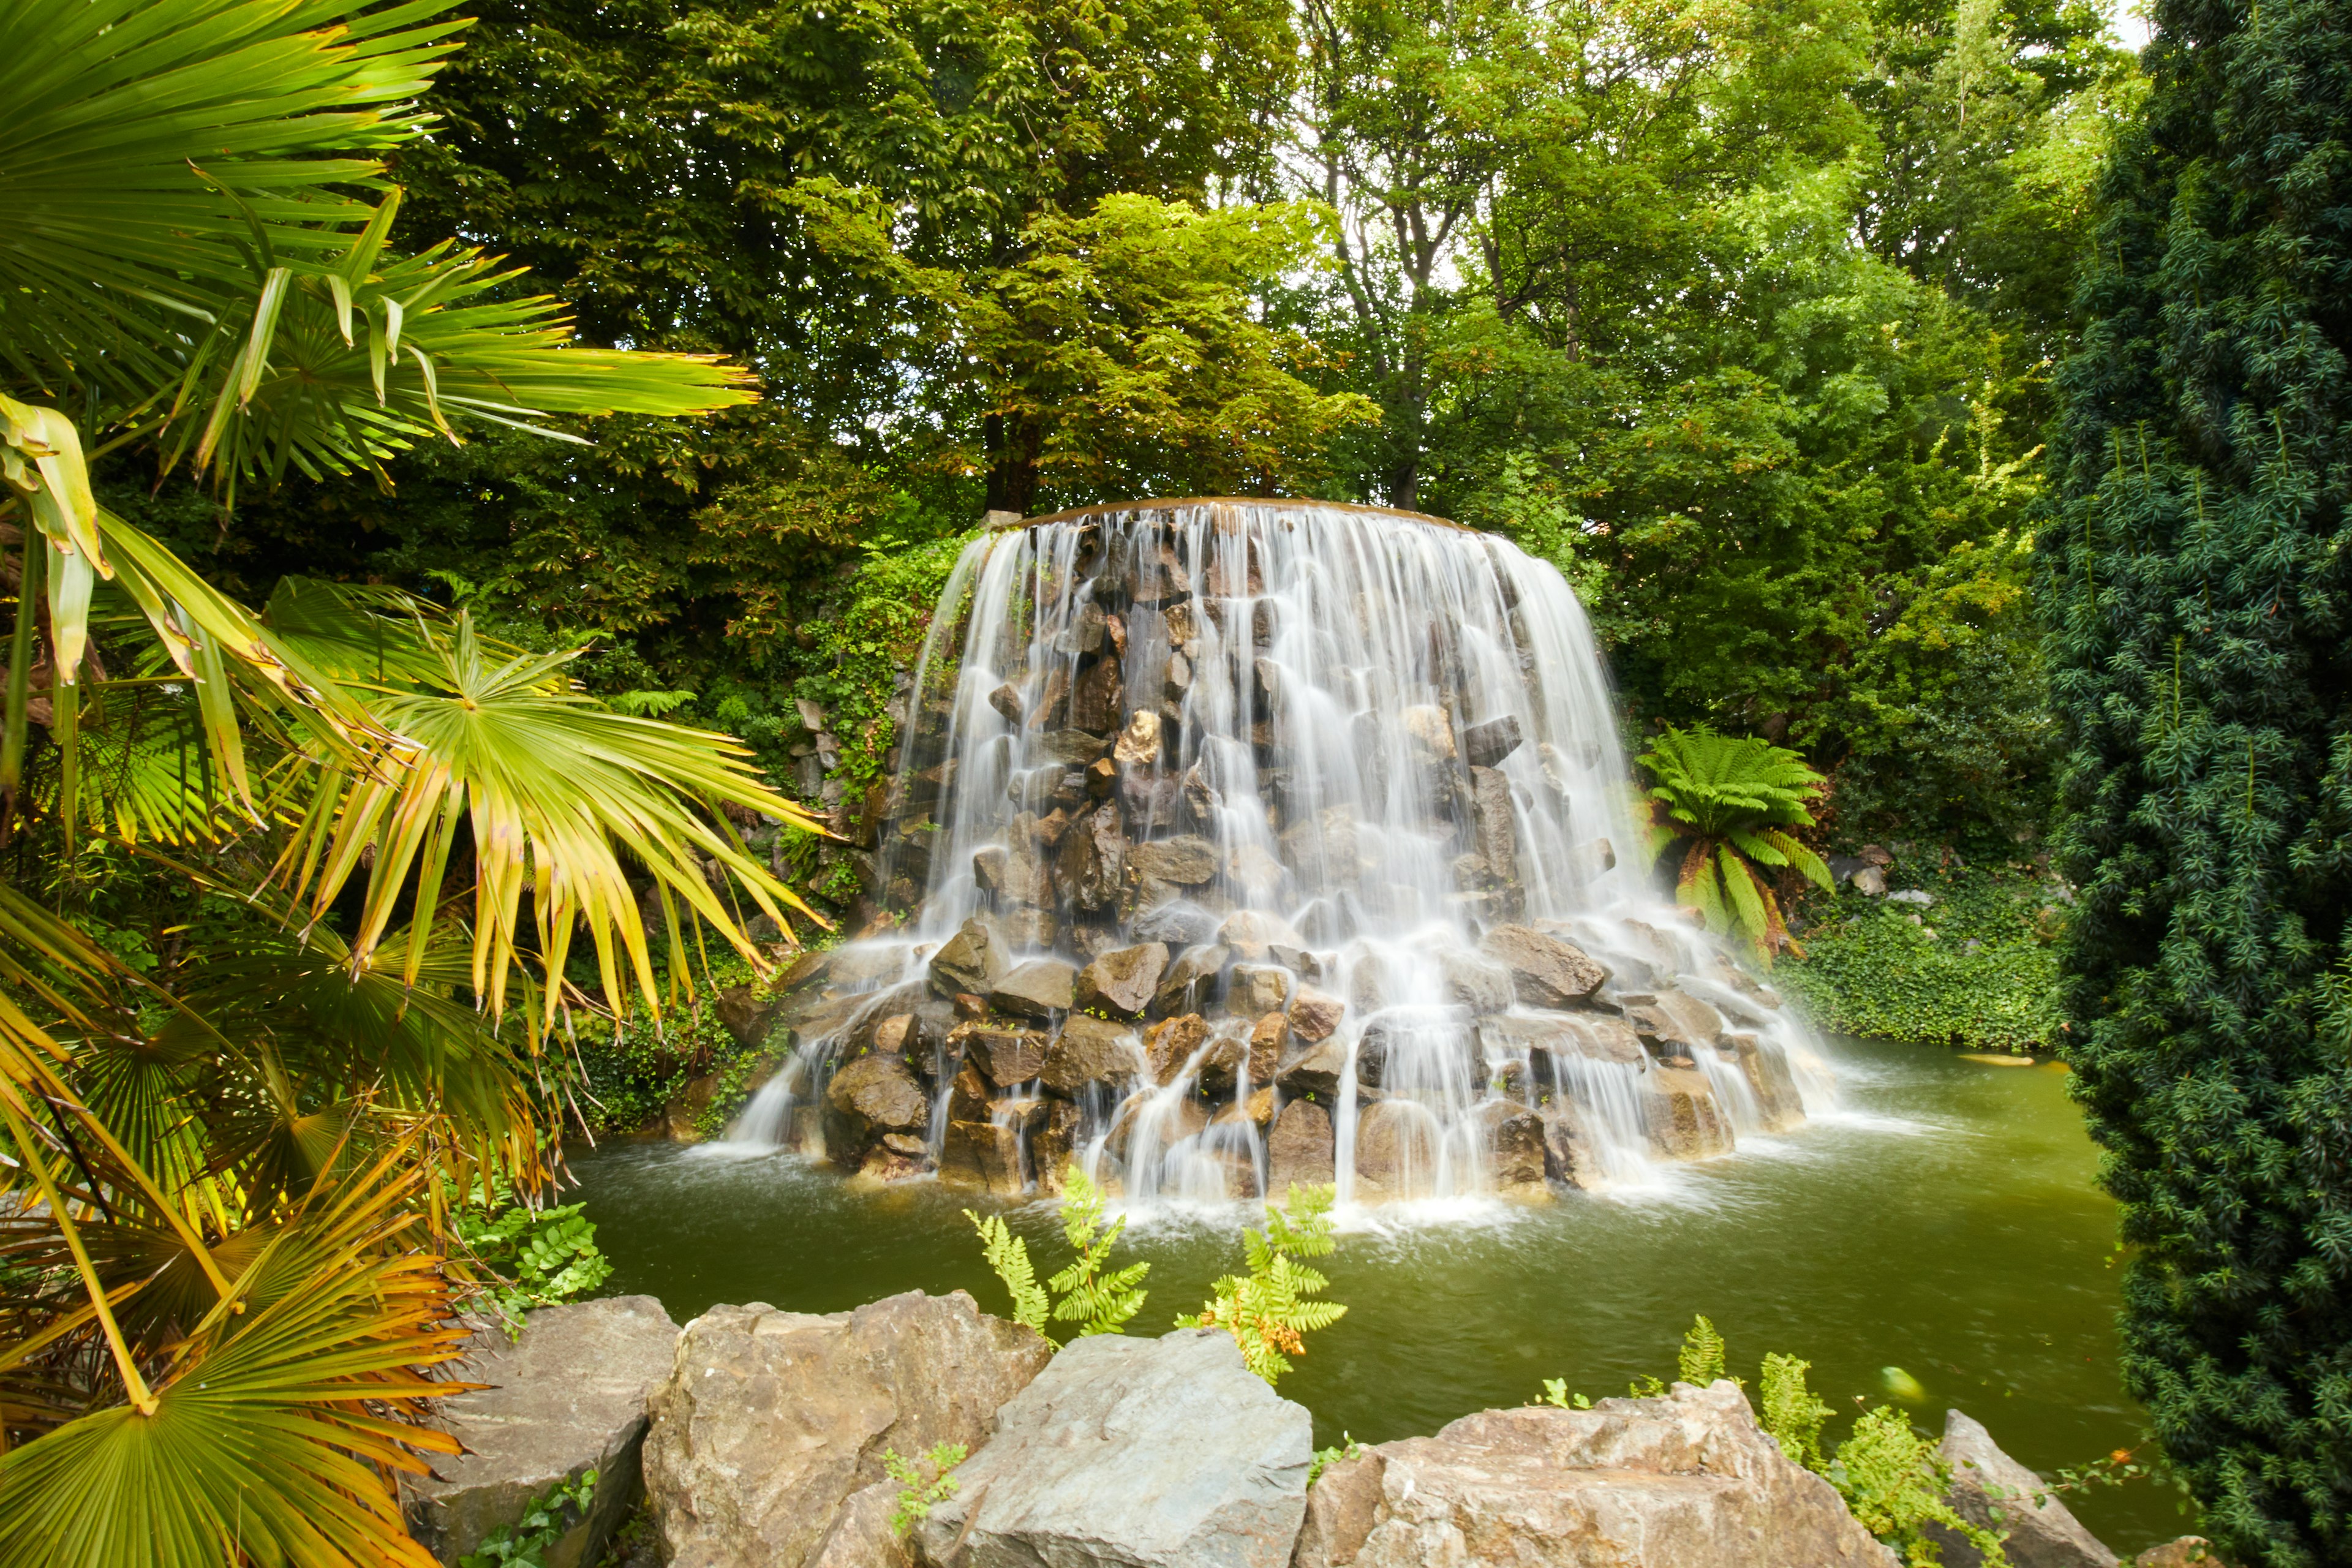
1008	1255
1270	1310
1731	800
1099	1303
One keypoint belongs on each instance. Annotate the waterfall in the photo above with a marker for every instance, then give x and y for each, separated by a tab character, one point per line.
1242	842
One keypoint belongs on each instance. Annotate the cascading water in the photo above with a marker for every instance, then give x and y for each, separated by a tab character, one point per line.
1249	842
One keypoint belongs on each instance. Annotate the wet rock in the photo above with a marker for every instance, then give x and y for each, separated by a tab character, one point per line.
1397	1149
1132	1453
1479	985
1569	1157
1682	1117
1327	850
682	1116
1138	744
1096	697
1102	778
1084	632
1219	1068
1191	983
1299	961
1269	1042
968	1096
567	1396
1430	731
984	1156
1073	748
1299	1150
1414	1035
1198	796
1514	1138
771	1421
1316	1071
1993	1491
1006	700
1122	981
1170	1043
1091	1051
1683	1481
969	962
1371	987
1023	928
1186	861
1257	874
1252	935
1315	1016
870	1097
1495	832
1545	971
1089	860
1674	1024
914	1036
1172	918
1054	1144
1487	744
1014	873
1595	1037
2188	1551
1254	989
1004	1056
1766	1068
1036	988
747	1016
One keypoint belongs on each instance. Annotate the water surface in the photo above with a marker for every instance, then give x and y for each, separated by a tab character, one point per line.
1945	1224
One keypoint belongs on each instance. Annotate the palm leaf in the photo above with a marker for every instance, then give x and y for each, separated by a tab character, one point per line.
269	1439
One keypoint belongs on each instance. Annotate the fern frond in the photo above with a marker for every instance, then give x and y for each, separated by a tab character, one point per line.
1008	1255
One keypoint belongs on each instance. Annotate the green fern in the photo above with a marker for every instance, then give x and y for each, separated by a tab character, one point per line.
1732	799
1008	1255
1791	1413
1101	1303
918	1497
1895	1482
1269	1312
1701	1361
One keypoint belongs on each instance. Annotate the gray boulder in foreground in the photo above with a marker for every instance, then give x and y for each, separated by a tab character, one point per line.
1993	1491
1688	1480
768	1436
569	1396
1133	1453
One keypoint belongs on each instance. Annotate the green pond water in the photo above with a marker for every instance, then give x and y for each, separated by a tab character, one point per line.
1944	1224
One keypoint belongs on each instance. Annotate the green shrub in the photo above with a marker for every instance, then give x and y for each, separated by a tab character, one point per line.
534	1257
1978	968
632	1069
525	1543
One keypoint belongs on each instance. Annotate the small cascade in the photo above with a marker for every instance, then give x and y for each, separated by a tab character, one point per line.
1239	843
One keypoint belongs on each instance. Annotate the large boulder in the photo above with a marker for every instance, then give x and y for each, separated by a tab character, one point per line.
1299	1148
1545	971
982	1155
1254	989
1993	1491
567	1396
1090	857
1170	1043
1495	835
869	1098
1191	983
1091	1051
1123	981
1688	1480
1186	861
1514	1140
1315	1017
1766	1068
1004	1056
772	1422
1132	1453
969	962
1037	988
1674	1024
1681	1116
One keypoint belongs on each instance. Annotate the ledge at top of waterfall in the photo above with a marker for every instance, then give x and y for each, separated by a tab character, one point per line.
1234	843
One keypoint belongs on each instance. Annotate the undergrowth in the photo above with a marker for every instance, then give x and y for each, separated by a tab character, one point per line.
1978	968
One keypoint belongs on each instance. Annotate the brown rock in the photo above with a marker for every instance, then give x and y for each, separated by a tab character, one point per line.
2188	1551
1252	935
1054	1144
1477	985
1098	698
1170	1043
1123	980
969	962
1396	1149
1684	1121
1006	700
968	1096
1315	1017
984	1156
1299	1148
1014	873
1089	859
1993	1491
1138	744
1090	1052
1269	1042
1254	989
1766	1068
869	1097
1316	1071
1495	833
1545	971
1034	988
1186	861
1674	1024
1191	983
1220	1067
1342	1506
1514	1145
1004	1056
746	1015
772	1421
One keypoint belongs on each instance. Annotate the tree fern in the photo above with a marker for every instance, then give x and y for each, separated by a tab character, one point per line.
1269	1312
1008	1255
1729	802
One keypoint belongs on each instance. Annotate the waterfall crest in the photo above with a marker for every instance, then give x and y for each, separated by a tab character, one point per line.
1248	842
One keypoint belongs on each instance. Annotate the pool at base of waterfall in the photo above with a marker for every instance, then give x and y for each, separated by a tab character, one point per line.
1941	1229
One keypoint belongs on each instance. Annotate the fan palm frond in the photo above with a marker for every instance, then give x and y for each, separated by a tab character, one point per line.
1729	802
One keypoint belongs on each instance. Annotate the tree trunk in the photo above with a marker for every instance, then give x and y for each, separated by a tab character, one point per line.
1012	463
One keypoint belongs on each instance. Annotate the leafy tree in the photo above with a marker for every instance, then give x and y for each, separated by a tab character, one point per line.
2194	576
1734	801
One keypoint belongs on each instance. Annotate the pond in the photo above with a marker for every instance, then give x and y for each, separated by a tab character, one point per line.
1943	1225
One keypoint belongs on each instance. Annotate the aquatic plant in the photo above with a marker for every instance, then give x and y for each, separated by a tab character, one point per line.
1268	1312
1733	800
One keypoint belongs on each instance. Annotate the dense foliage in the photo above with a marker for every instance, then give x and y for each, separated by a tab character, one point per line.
1722	805
2195	574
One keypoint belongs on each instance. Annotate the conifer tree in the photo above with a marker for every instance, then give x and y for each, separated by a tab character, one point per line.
2195	580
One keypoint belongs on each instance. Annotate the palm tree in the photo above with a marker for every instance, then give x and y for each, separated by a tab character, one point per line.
1730	801
311	875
